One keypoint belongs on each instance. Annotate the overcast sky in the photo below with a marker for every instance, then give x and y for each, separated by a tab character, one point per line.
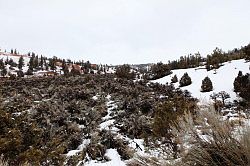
123	31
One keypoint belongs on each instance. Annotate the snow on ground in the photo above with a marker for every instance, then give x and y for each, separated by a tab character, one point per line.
105	125
9	56
85	142
95	97
108	122
112	154
222	80
110	105
138	145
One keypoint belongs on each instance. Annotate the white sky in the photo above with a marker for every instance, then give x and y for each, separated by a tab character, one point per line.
123	31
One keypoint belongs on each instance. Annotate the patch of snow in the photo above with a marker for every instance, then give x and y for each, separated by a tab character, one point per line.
94	97
113	155
162	96
110	105
107	124
79	149
108	97
81	126
137	144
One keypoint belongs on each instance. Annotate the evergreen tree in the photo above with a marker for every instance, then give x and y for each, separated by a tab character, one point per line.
4	71
207	85
12	63
7	61
31	63
124	71
36	62
41	62
87	66
160	70
174	79
247	52
74	71
185	80
20	63
238	82
20	73
65	68
52	63
29	72
2	64
46	65
242	85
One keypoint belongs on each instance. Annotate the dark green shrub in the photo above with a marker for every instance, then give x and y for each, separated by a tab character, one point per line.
207	85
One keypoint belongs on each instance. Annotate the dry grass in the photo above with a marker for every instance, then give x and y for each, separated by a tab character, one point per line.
207	140
146	161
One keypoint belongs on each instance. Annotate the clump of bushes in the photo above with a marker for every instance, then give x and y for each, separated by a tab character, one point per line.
124	71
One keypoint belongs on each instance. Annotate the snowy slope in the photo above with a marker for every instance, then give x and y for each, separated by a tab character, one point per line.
4	56
222	80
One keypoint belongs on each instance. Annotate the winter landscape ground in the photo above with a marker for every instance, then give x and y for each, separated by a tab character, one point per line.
59	112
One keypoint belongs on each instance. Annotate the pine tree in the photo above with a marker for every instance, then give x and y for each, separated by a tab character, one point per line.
7	61
2	64
29	72
74	71
41	62
65	68
124	71
20	63
4	71
207	85
12	63
174	79
31	63
52	63
242	85
36	62
160	70
238	82
185	80
247	52
20	73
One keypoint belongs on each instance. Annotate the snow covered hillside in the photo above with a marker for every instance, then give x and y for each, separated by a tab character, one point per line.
222	78
15	58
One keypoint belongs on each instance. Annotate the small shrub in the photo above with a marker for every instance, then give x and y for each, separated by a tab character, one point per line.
185	80
207	85
174	79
